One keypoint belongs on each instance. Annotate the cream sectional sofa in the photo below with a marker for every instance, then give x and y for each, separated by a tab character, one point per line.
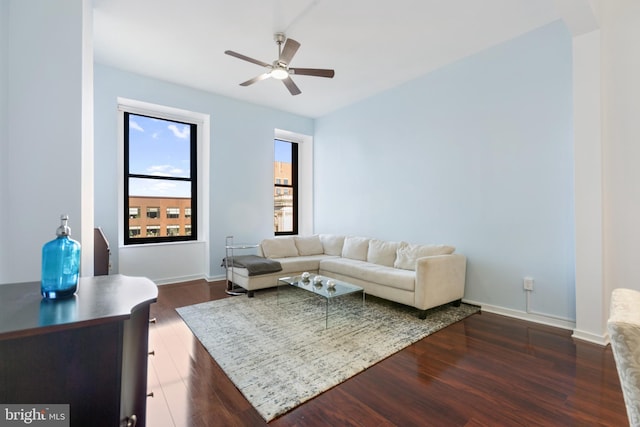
421	276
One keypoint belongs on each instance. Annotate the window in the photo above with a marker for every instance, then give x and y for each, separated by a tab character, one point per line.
173	230
285	195
160	177
187	212
173	212
153	230
153	213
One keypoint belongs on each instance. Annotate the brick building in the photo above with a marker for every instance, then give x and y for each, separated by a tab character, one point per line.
159	216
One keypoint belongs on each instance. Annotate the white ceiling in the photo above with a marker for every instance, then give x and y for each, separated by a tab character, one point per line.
372	45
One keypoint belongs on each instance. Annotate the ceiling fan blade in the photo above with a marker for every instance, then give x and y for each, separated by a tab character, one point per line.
290	48
246	58
317	72
291	86
256	79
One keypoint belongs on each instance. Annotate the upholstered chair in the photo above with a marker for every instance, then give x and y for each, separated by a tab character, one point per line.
624	331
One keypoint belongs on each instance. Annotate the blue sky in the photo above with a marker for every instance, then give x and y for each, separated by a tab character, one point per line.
282	151
160	148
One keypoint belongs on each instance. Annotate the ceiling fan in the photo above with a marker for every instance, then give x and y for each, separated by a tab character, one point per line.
280	68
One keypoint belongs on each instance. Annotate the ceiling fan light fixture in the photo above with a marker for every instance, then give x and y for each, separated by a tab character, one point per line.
279	73
279	69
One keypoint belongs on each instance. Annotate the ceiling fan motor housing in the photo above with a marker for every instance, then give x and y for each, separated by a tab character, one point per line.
279	38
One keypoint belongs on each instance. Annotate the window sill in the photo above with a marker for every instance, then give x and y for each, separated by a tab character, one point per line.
144	245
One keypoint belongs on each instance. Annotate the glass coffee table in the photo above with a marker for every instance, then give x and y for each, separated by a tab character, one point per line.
322	286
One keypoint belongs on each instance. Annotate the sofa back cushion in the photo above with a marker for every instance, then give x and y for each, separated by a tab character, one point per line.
408	254
355	248
308	245
382	253
279	248
332	244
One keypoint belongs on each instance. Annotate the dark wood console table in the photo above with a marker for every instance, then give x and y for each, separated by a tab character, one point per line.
89	351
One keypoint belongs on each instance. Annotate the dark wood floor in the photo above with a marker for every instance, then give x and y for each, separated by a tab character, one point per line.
487	370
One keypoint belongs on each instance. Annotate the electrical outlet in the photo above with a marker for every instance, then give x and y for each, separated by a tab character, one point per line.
528	283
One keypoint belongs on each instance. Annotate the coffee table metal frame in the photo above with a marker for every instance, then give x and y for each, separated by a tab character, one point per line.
321	289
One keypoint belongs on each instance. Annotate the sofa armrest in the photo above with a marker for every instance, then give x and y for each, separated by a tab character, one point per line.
624	330
439	279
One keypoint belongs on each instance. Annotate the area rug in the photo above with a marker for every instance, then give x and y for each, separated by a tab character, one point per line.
278	353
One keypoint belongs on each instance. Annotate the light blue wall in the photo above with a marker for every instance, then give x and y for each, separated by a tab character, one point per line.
477	154
42	125
241	168
4	130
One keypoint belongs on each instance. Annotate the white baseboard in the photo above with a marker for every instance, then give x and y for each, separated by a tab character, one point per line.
172	280
214	278
602	340
522	315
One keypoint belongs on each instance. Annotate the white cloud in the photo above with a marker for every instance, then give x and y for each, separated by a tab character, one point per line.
165	170
158	188
182	134
134	125
163	187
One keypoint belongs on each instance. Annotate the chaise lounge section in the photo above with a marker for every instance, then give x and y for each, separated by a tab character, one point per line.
420	276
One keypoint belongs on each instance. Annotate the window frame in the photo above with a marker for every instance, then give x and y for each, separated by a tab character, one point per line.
192	179
171	214
293	187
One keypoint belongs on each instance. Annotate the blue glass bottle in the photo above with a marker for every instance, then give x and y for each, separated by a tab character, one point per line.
60	264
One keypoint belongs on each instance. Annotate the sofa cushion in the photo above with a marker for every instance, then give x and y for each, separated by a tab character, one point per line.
290	266
279	248
407	254
308	245
382	253
355	248
332	244
296	265
374	273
